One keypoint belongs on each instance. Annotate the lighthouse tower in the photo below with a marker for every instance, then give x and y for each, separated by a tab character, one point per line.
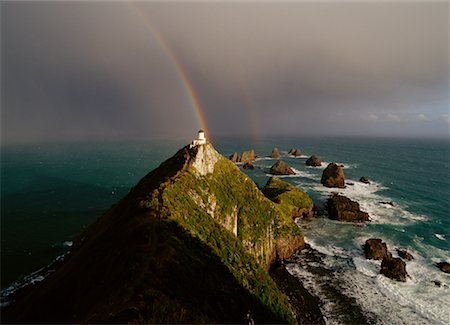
200	139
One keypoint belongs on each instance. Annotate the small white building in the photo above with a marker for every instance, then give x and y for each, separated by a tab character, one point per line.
200	139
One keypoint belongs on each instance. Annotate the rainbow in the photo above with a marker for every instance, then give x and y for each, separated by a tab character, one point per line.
178	67
249	105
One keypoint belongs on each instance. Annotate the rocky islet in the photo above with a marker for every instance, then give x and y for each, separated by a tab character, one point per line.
333	176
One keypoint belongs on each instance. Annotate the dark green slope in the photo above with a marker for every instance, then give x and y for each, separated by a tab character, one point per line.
190	243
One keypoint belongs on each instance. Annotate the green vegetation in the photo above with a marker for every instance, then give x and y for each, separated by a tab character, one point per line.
235	194
290	199
179	248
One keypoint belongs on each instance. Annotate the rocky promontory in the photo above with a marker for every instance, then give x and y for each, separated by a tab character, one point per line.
190	243
290	198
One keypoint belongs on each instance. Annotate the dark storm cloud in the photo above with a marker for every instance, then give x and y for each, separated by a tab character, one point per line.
83	70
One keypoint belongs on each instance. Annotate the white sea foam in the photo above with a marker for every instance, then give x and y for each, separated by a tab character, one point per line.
326	163
326	250
348	165
418	301
297	172
423	299
265	158
323	166
32	278
433	253
367	267
378	207
310	282
68	243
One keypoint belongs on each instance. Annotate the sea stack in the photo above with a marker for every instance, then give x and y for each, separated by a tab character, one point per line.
295	152
333	176
313	161
235	157
275	153
248	156
343	209
364	179
376	249
281	168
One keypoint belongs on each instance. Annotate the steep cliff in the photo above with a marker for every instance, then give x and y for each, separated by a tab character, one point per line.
189	243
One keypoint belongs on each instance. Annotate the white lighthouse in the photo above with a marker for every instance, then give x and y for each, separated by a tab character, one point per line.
200	139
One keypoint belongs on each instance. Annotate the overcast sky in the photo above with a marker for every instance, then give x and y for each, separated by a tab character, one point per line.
80	70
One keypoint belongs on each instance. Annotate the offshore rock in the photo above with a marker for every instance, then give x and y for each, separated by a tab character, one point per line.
190	243
394	268
235	157
364	179
333	176
376	249
248	156
289	197
314	161
248	165
444	266
281	168
343	209
405	254
295	152
275	153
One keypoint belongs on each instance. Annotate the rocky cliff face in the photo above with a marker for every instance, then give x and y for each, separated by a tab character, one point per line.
233	200
190	243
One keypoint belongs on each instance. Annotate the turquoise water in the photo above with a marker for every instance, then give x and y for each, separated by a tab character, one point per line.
49	192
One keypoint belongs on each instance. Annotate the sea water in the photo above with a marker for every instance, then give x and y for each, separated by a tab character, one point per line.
50	192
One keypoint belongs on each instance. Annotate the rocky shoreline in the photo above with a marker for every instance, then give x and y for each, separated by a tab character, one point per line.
335	305
343	209
310	306
306	305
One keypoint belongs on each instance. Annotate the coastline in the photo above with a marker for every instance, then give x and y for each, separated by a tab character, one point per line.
306	305
336	306
420	229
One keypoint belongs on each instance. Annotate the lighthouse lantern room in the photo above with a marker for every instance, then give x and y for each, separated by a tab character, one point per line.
200	139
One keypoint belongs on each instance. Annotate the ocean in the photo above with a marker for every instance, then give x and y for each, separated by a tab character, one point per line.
51	191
